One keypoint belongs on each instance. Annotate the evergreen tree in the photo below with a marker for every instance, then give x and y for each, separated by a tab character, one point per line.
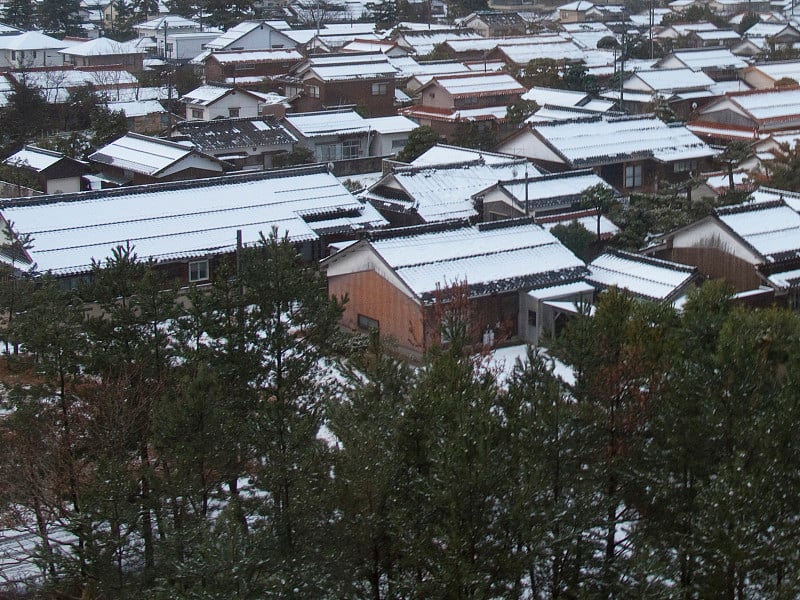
60	17
364	419
420	140
19	13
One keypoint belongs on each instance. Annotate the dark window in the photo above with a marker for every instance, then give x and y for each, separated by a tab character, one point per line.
367	323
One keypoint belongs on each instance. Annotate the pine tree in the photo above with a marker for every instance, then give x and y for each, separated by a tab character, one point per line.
363	419
19	13
60	17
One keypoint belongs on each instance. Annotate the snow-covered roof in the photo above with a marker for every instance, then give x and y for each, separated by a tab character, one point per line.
208	94
601	140
36	159
230	134
480	84
643	276
254	56
424	72
500	258
141	154
31	40
393	124
332	122
779	70
771	227
354	69
183	219
555	97
102	46
137	108
172	21
765	105
707	58
441	193
487	113
554	48
443	154
763	30
233	34
423	42
721	35
546	190
669	80
56	83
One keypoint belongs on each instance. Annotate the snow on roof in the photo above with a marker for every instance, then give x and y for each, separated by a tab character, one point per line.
102	46
599	140
717	35
762	30
710	58
770	227
443	154
776	103
423	42
460	46
140	154
393	124
646	277
205	94
779	70
443	193
555	97
428	70
31	157
172	21
480	84
137	108
55	83
487	113
316	124
179	219
551	187
579	5
233	34
487	259
230	57
354	70
671	80
555	48
31	40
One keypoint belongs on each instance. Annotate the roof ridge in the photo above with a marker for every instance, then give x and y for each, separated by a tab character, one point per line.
651	260
164	187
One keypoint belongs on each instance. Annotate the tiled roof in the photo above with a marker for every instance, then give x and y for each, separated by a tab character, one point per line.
254	56
36	159
441	193
221	134
480	84
769	227
509	256
643	276
331	122
597	141
182	219
142	154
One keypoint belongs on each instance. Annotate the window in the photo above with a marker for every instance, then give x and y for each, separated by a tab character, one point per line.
380	89
351	149
198	270
682	166
532	318
197	113
399	143
633	176
367	323
233	112
327	151
313	91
